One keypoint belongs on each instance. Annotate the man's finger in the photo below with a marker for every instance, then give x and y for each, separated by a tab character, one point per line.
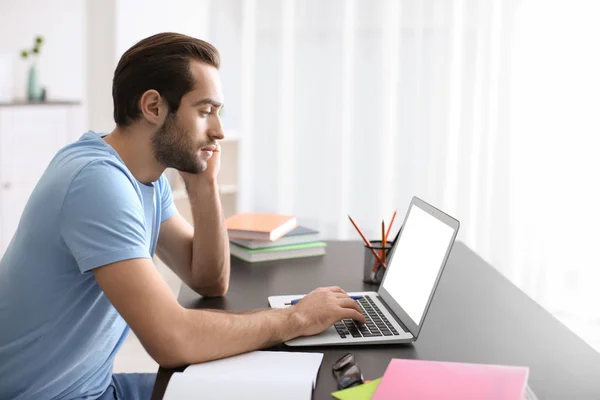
353	314
336	289
339	295
349	303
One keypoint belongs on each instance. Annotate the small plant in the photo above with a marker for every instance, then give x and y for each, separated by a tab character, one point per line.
37	44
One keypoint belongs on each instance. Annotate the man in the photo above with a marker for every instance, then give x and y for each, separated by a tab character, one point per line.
78	272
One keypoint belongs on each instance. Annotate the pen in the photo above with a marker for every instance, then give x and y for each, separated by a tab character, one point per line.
291	303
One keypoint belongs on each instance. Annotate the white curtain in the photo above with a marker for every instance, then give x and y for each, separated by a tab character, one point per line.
350	107
554	165
488	109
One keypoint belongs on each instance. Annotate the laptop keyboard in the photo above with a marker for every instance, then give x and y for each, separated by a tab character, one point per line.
377	324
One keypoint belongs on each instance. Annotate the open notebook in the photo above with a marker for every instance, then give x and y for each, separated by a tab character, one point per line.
256	375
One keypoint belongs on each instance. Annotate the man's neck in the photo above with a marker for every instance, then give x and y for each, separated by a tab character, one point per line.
134	146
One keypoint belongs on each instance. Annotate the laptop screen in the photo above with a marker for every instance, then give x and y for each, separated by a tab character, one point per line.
418	257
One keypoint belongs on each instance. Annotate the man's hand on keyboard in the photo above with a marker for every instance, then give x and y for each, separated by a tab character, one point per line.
323	307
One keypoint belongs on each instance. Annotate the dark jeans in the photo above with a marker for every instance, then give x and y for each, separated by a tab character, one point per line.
130	387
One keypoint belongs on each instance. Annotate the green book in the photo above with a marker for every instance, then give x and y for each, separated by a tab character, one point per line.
300	234
279	252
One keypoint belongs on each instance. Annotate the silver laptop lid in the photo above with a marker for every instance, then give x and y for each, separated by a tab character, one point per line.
416	262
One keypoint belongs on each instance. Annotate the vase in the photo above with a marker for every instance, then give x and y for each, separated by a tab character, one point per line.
34	90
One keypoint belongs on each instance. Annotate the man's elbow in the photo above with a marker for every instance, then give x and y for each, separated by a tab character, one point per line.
169	361
177	355
169	350
217	289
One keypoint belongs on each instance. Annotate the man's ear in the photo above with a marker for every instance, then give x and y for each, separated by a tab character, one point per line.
153	107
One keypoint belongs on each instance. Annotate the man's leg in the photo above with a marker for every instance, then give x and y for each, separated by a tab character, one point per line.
134	386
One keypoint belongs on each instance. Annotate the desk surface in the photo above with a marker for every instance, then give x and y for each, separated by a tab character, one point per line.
476	316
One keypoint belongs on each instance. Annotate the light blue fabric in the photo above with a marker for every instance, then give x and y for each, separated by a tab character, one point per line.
58	331
130	387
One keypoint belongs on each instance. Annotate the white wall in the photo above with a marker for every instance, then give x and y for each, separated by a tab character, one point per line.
102	60
62	60
113	26
84	40
137	19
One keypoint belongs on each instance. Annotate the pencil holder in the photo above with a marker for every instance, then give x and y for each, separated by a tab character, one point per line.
373	271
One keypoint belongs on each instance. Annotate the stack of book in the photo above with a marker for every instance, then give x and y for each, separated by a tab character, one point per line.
256	237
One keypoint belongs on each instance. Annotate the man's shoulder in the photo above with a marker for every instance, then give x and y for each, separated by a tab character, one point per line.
89	158
89	148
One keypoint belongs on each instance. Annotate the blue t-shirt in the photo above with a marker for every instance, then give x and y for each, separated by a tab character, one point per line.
58	331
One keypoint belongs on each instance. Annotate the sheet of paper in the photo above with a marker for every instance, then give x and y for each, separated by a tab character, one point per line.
184	386
453	380
261	365
360	392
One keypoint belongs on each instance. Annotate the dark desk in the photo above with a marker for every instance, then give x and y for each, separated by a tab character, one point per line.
476	316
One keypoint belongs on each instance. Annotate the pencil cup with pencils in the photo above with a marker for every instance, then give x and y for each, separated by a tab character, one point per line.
373	270
376	252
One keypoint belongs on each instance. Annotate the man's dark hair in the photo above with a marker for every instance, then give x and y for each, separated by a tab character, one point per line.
160	62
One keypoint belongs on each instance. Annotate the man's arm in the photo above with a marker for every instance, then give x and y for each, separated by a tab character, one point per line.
200	257
175	336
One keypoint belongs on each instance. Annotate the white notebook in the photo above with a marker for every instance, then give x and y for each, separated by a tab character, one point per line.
257	375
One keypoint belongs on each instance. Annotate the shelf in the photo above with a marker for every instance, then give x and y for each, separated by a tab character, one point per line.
179	194
21	103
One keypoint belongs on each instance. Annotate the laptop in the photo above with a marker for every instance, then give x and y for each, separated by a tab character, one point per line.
395	313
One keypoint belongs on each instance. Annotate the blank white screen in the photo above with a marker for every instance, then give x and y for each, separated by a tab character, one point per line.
417	261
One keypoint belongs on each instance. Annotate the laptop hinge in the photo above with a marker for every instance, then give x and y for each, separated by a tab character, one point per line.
393	314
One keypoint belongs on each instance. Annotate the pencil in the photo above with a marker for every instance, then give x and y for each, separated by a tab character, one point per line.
382	251
366	241
383	240
390	226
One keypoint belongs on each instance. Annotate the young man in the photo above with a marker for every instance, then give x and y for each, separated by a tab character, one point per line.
78	272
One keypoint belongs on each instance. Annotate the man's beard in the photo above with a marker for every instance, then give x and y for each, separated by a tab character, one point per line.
173	148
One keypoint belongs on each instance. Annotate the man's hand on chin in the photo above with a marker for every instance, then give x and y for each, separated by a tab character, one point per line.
209	175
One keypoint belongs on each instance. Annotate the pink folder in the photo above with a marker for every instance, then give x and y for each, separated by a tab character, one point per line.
430	380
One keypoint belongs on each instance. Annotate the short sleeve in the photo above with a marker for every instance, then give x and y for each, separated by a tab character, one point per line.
102	218
168	208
